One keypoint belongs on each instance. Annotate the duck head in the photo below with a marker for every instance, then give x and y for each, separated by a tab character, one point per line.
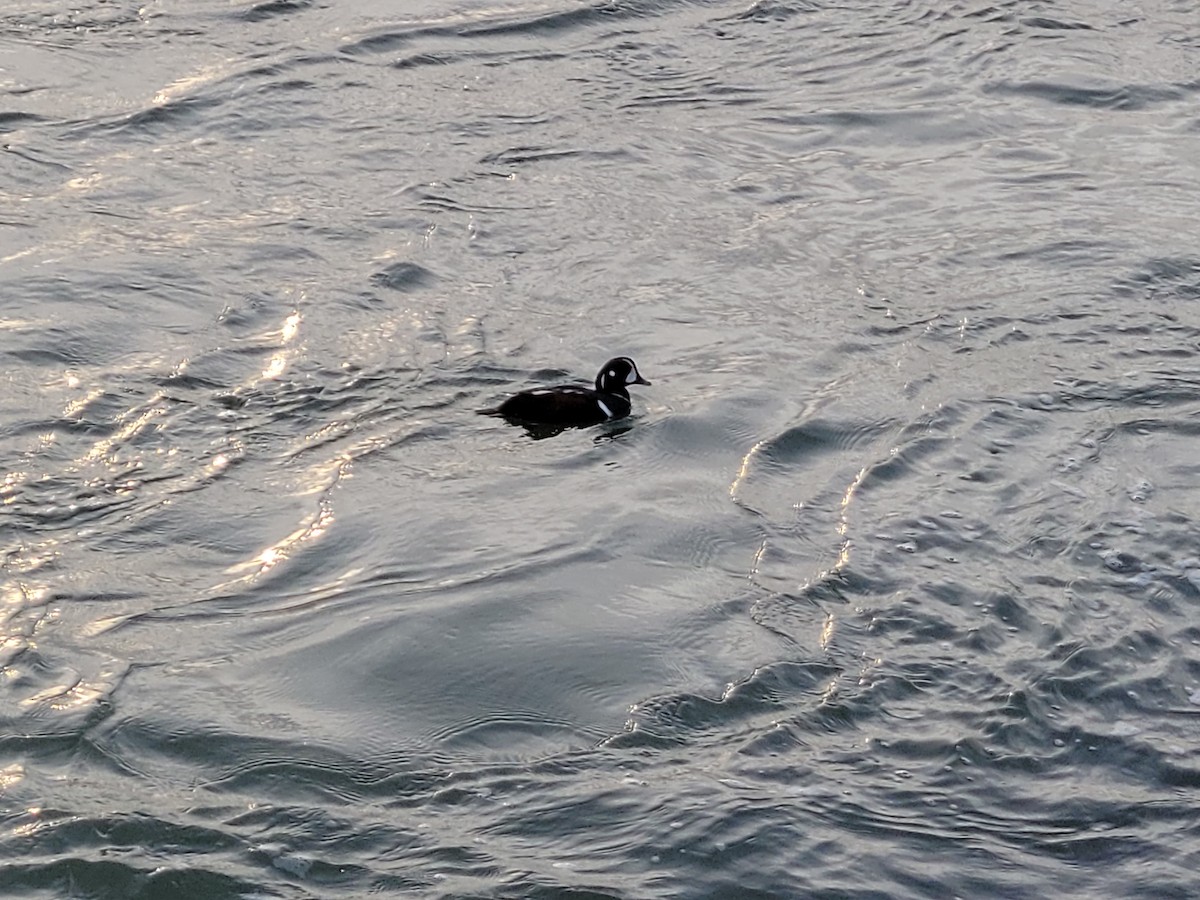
617	374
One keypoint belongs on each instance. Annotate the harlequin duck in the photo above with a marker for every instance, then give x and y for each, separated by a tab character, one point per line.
568	405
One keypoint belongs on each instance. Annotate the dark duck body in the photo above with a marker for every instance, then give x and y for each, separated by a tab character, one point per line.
568	405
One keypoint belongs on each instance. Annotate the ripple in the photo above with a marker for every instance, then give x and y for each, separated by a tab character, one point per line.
1130	97
261	12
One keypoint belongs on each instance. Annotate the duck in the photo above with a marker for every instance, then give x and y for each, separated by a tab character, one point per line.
574	405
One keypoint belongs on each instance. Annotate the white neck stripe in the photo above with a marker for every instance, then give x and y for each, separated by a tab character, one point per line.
607	411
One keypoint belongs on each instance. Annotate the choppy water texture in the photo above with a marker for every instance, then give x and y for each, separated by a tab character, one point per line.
890	587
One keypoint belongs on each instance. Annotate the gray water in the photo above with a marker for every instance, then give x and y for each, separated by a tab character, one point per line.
889	588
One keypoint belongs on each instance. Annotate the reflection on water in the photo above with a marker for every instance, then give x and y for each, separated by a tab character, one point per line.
886	589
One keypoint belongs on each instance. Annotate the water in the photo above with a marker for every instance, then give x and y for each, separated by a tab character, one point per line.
888	588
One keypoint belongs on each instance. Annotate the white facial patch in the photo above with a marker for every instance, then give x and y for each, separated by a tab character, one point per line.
607	411
612	373
632	376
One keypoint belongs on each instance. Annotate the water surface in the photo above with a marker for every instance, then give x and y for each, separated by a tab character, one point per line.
888	588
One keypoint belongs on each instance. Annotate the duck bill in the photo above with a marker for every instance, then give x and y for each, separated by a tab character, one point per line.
641	380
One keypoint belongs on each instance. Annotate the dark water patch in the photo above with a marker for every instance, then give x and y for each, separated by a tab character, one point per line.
12	119
697	94
404	276
262	12
74	508
192	382
522	155
1050	180
774	11
464	55
108	878
63	830
287	86
66	353
481	28
911	456
1078	252
449	198
383	42
912	624
170	117
556	23
1164	280
419	60
817	437
1048	24
1083	395
507	732
541	891
760	695
1124	98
